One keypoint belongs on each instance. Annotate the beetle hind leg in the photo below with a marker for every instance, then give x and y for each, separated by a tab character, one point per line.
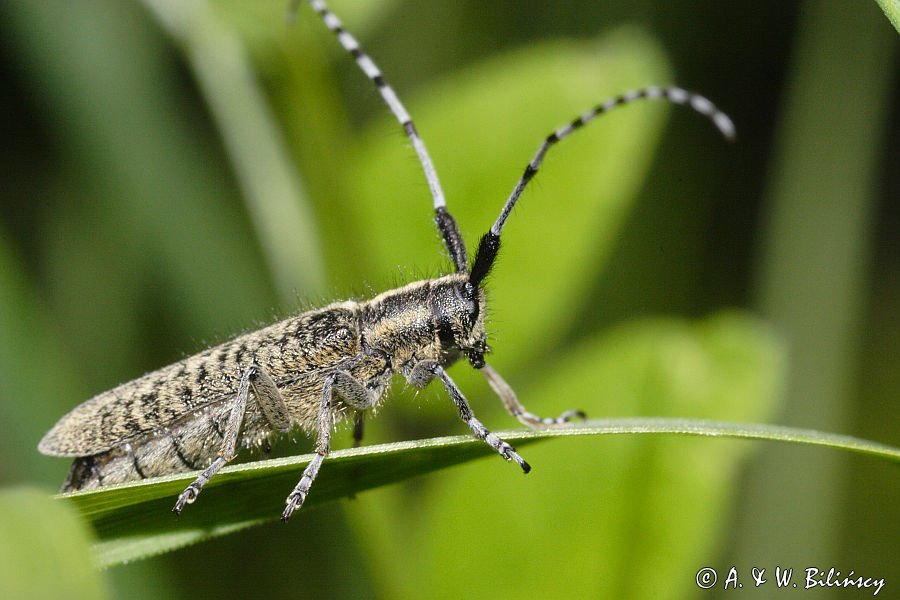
84	474
274	410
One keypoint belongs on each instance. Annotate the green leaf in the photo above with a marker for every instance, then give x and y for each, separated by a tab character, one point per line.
891	10
45	549
134	520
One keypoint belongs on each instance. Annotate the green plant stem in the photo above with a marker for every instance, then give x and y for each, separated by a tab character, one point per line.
275	196
812	269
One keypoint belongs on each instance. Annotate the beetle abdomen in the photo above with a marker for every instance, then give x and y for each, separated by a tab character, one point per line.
147	406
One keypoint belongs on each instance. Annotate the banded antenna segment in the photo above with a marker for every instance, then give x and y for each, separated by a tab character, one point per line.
445	223
489	246
675	95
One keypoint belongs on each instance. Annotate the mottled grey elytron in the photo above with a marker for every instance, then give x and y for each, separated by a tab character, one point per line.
313	370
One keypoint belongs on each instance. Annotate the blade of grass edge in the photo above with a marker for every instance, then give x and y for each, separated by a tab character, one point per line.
133	521
891	9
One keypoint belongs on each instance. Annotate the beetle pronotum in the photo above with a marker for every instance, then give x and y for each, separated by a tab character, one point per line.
314	369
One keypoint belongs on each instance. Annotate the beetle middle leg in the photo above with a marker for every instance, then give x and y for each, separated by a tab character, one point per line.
354	394
273	408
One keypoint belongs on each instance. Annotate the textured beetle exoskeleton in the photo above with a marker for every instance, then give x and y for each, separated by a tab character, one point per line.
317	368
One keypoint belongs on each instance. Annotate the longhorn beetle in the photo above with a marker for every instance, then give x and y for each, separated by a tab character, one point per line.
315	369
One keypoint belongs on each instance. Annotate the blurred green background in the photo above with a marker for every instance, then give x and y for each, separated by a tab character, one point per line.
174	173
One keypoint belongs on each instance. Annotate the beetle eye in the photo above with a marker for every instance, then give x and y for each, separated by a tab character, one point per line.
470	293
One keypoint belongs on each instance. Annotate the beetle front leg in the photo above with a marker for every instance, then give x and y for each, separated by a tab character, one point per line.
515	408
272	406
465	413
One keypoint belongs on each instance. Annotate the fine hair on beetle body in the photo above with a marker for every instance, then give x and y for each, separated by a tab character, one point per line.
320	367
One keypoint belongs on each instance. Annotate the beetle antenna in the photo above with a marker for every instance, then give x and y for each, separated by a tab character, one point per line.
490	242
443	219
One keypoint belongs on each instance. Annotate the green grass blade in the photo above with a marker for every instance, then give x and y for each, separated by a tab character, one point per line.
819	226
891	10
275	196
134	521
